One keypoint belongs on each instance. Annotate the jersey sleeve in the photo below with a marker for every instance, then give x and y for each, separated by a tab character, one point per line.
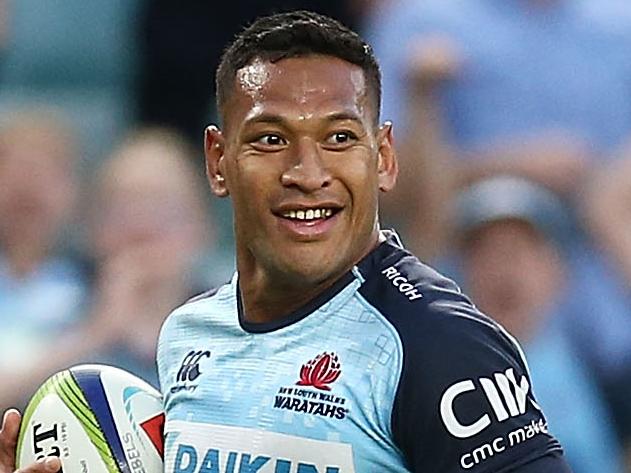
465	399
163	360
552	463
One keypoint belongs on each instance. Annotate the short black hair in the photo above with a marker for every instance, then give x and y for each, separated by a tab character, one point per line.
293	34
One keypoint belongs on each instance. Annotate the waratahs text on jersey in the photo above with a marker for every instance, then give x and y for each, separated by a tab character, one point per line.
187	460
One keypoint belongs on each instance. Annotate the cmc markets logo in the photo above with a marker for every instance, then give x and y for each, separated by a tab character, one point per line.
189	370
506	395
317	373
323	370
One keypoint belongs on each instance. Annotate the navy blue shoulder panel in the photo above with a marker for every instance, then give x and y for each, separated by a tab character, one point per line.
464	396
553	463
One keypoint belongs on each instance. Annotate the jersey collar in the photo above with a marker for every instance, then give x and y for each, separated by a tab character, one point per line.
389	243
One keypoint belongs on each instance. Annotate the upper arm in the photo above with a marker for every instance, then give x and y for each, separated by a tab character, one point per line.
465	400
463	396
553	463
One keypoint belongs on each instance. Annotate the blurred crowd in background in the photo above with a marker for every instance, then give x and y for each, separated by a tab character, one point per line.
513	127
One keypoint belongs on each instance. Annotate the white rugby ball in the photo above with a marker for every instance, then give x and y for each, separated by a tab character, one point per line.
96	419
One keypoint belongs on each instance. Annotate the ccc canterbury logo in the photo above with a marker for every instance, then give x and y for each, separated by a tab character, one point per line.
189	371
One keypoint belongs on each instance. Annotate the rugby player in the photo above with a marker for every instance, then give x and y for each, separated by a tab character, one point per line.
332	349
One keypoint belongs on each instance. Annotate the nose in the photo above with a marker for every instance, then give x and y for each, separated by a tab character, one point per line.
307	170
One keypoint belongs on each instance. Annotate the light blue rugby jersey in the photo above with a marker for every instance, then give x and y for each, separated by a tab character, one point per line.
390	370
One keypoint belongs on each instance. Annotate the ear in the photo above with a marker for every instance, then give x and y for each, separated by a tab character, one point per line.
214	148
388	166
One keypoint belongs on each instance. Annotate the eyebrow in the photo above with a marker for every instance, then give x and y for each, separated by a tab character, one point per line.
271	118
264	118
340	116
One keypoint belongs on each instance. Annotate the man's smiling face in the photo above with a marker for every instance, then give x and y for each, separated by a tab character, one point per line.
304	160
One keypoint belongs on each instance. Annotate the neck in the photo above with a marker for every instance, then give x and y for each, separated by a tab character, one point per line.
266	301
269	295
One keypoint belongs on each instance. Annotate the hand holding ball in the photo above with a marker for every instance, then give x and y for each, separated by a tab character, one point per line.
96	419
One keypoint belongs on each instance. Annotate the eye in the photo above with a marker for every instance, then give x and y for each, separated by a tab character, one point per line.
341	138
270	139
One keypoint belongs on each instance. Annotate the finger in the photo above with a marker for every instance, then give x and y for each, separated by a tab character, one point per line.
9	438
45	465
10	426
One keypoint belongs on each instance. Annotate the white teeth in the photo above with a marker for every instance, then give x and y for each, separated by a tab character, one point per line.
309	214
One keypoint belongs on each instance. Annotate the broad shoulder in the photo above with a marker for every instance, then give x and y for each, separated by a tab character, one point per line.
443	335
213	302
464	380
427	309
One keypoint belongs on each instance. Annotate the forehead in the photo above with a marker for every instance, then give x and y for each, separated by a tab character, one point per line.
298	87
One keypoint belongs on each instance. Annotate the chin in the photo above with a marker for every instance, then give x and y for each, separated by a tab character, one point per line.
313	271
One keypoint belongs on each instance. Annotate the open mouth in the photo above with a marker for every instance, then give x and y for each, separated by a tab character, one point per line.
306	221
307	215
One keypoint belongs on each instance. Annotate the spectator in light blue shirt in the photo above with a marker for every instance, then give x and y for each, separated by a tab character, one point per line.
41	290
509	230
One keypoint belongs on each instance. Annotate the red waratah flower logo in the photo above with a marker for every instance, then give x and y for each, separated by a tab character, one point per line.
324	369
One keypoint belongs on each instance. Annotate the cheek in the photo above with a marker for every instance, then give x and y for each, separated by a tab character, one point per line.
359	175
249	185
366	198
